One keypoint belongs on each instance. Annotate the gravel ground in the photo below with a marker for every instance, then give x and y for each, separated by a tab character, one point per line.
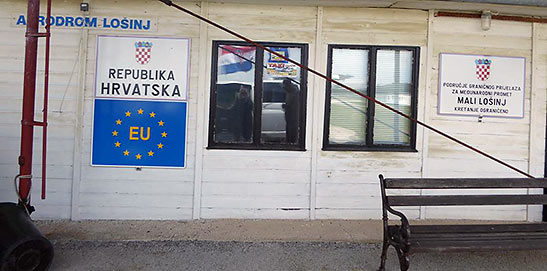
270	256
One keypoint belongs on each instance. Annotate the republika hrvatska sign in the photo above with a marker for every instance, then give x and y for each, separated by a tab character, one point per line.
477	85
140	108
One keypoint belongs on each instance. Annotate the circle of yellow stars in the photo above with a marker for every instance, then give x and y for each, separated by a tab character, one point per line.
126	152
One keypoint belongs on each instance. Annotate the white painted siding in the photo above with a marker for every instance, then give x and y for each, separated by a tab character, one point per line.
259	184
61	112
505	139
124	193
347	182
267	184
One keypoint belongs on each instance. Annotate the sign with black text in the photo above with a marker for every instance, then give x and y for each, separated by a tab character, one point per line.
477	85
142	67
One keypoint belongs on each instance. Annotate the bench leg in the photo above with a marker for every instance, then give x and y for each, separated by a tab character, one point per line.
384	256
404	261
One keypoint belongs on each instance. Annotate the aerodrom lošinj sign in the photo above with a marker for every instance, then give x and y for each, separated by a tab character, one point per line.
92	22
478	85
140	107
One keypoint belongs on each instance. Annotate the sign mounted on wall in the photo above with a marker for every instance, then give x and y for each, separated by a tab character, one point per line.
477	85
142	67
92	22
140	109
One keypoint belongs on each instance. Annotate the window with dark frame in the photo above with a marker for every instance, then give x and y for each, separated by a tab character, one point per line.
388	74
257	98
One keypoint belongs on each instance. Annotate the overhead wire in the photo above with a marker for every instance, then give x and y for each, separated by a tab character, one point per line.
423	124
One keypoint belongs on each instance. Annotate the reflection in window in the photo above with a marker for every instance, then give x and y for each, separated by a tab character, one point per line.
281	96
383	73
257	108
234	101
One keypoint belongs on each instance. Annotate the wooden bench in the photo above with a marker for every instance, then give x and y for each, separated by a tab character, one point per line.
408	239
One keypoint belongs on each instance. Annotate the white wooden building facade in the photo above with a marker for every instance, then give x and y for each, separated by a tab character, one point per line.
270	184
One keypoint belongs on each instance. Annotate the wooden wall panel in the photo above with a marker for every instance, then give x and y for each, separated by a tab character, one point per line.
347	182
61	112
259	184
506	139
267	184
124	193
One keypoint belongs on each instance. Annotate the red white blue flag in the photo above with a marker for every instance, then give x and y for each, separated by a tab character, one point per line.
234	59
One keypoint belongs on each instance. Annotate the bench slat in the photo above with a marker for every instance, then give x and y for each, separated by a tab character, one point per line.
480	236
477	245
453	183
466	200
479	228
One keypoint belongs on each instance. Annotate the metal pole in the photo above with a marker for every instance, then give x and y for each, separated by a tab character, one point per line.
46	95
545	176
29	93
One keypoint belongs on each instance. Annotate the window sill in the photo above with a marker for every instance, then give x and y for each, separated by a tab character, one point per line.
368	149
256	148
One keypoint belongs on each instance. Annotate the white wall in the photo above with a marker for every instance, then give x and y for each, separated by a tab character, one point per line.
506	139
125	193
312	184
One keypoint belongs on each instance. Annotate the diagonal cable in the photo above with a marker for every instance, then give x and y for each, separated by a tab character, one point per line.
170	3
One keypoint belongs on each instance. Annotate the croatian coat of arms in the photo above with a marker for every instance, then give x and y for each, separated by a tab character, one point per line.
483	68
143	50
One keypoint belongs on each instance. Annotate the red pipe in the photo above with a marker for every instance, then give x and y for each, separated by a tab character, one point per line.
29	94
46	94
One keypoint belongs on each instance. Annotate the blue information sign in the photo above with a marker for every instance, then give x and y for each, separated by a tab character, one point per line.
139	133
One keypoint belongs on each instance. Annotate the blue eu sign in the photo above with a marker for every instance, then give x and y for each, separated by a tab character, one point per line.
139	133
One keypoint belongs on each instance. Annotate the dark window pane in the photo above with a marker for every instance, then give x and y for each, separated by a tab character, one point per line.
348	111
257	108
234	94
394	88
281	97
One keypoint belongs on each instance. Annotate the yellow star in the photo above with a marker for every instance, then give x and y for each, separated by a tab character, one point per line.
126	153
117	144
150	153
138	156
160	146
128	114
152	115
164	134
118	122
161	123
140	111
115	133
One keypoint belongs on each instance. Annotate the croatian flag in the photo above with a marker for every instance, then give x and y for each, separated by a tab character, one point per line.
236	59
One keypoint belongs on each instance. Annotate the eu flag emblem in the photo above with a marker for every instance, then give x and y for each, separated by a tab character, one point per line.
139	133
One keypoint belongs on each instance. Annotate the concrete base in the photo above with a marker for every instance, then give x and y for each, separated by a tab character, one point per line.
253	245
217	230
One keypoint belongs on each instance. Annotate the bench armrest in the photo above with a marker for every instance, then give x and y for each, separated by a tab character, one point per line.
404	230
405	226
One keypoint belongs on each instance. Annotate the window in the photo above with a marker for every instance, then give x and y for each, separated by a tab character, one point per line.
386	73
257	98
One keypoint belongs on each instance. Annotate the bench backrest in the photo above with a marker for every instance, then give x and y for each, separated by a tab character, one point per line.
462	183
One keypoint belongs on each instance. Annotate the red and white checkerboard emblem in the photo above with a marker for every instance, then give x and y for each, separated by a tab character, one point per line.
143	52
483	68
